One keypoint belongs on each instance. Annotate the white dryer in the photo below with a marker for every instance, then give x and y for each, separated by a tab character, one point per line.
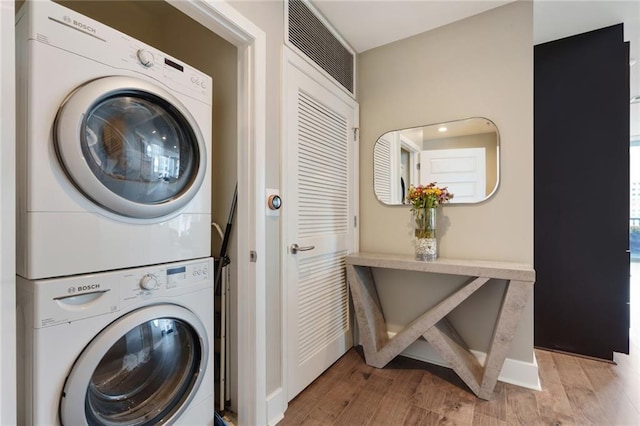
130	347
114	149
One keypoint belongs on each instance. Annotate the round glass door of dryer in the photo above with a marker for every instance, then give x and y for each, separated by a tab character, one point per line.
138	149
130	147
147	376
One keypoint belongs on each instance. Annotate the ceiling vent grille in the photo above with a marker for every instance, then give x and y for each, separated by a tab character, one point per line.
312	37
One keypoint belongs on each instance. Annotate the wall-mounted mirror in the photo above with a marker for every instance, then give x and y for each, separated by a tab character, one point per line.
463	155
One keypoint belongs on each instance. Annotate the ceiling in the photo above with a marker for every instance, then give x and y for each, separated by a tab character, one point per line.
366	24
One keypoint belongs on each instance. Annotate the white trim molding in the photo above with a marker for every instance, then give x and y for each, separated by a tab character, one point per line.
276	406
7	215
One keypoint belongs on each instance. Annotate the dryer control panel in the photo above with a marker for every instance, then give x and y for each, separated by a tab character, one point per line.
63	28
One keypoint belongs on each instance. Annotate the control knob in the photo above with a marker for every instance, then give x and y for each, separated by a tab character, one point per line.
149	282
145	57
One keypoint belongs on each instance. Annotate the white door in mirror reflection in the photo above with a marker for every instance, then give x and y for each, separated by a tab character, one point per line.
462	171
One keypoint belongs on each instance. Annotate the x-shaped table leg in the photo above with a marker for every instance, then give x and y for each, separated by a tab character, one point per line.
379	349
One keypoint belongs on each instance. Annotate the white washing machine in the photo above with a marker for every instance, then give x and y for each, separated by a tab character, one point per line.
114	149
129	347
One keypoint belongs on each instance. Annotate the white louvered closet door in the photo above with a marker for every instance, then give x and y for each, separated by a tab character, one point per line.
319	184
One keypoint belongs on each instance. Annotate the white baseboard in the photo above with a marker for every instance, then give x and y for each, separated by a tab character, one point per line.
513	371
276	406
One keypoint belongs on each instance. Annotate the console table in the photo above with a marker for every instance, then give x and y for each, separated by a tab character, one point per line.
433	325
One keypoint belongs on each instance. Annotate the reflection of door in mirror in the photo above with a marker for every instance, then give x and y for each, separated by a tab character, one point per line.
394	159
382	181
461	171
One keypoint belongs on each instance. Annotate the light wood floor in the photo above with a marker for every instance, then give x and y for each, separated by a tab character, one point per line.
575	391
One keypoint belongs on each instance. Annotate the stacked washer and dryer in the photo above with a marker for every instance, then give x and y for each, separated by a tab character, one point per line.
115	278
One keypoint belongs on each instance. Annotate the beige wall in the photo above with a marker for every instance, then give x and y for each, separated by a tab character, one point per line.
479	67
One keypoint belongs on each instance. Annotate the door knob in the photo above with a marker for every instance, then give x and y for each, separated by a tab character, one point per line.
295	248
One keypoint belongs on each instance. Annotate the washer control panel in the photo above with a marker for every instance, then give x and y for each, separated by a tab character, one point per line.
54	301
164	280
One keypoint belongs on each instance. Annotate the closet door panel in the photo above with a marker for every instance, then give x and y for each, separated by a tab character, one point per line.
581	194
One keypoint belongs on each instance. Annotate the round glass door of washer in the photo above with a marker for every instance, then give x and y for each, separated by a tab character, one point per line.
147	376
130	146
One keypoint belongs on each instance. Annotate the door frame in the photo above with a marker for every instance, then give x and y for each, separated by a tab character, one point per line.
291	58
225	21
222	19
8	401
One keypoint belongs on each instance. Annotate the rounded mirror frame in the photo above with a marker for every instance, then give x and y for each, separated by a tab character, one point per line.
462	155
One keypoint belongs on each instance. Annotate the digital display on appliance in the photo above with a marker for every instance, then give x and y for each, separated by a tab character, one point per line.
173	64
174	275
178	270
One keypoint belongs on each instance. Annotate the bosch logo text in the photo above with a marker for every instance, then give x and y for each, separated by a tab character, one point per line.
80	288
80	25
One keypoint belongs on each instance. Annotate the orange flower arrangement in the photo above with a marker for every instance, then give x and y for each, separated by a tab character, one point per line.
428	196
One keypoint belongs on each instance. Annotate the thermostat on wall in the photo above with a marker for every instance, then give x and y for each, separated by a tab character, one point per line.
274	202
